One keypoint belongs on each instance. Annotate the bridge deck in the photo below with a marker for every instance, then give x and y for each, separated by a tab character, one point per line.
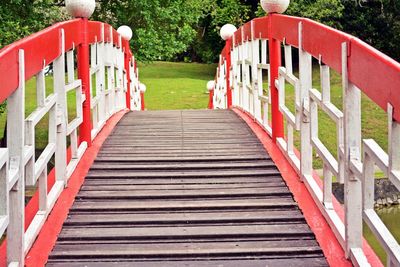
185	188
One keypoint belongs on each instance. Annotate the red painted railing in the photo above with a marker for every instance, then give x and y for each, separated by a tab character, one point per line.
107	83
257	47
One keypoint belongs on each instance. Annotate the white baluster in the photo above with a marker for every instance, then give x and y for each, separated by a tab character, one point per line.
352	151
15	144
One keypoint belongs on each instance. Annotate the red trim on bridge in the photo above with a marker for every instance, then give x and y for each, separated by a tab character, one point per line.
326	238
47	237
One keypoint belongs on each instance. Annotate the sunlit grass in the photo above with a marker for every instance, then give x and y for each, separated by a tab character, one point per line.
176	85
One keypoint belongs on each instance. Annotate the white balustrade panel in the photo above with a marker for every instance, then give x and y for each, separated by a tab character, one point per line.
19	164
355	159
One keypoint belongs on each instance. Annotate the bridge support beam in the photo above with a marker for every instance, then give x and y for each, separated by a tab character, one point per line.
275	63
85	130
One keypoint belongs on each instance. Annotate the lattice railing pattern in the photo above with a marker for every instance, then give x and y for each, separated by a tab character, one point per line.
19	164
107	62
220	100
252	48
135	88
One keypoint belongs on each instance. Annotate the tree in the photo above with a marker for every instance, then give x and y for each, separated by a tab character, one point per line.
376	22
329	12
21	18
208	43
161	28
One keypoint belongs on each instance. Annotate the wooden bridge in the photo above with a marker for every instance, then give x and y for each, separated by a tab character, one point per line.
229	186
166	191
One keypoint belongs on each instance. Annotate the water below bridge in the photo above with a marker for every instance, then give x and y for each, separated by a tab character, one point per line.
391	217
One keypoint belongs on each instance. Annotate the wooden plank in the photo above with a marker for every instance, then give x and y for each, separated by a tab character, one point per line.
156	158
278	202
189	217
184	188
183	174
177	193
294	262
181	249
100	233
184	181
155	166
171	186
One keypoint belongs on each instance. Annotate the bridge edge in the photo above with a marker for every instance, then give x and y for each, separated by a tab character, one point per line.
41	249
332	250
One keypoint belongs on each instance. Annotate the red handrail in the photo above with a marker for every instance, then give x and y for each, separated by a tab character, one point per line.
376	74
41	49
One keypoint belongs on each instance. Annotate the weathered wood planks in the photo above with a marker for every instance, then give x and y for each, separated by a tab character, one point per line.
184	188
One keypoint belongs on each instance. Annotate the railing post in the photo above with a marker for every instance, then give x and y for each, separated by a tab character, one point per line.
275	63
143	89
352	151
85	130
228	49
83	10
126	33
59	88
15	126
210	88
142	103
227	31
305	75
128	79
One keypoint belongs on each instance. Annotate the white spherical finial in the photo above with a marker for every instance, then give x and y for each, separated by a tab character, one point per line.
227	31
275	6
142	88
80	8
211	85
126	32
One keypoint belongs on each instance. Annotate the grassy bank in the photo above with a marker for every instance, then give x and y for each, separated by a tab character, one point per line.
176	85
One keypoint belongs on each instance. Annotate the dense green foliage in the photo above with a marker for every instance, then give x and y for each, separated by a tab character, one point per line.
377	22
174	29
161	28
188	30
20	18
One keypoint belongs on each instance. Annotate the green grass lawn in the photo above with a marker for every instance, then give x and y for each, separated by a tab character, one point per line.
176	85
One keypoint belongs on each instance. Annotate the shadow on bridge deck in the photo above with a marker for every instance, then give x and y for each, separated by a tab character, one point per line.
185	188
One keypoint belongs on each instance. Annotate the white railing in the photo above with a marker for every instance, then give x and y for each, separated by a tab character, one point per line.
107	62
356	158
220	91
19	164
136	103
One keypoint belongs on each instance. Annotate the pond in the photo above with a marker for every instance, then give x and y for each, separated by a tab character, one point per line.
391	218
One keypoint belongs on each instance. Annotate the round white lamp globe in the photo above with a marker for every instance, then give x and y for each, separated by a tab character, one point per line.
211	85
125	31
80	8
275	6
142	88
227	31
